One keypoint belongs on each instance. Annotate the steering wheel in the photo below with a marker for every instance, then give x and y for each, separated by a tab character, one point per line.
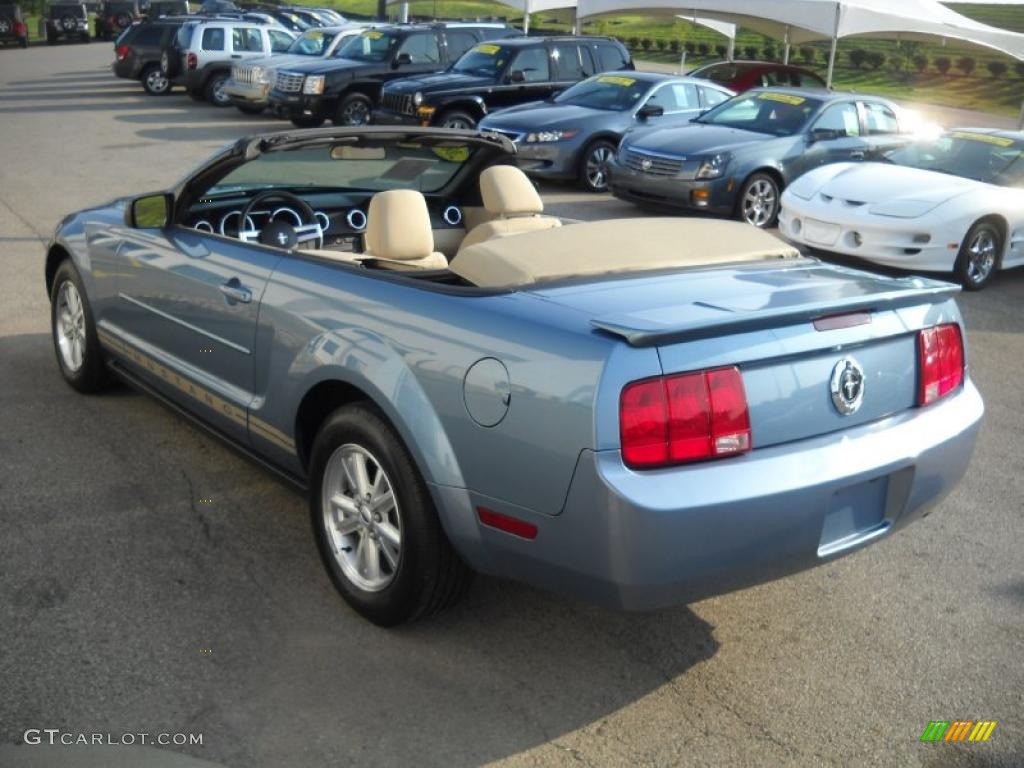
281	234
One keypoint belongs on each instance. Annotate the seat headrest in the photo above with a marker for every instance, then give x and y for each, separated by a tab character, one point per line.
398	226
506	190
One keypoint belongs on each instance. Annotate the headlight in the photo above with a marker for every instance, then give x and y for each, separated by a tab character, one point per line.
262	75
713	167
542	137
417	98
314	84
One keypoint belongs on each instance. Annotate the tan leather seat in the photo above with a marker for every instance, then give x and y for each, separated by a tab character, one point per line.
512	199
398	230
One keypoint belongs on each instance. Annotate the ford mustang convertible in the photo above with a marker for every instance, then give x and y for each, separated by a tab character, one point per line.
639	413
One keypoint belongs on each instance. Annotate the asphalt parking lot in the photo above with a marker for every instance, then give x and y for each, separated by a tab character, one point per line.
153	581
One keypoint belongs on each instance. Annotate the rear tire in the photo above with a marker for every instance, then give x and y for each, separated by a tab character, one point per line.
354	109
23	42
391	561
73	331
979	255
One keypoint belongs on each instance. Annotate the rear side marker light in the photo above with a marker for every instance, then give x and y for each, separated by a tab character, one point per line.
192	61
515	526
122	52
683	418
941	362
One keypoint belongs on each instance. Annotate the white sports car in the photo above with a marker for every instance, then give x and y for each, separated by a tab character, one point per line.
954	203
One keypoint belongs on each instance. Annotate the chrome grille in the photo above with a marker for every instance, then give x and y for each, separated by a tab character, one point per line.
398	102
242	75
513	136
652	165
289	82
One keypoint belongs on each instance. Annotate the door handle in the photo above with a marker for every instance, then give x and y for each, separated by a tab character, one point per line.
858	154
235	292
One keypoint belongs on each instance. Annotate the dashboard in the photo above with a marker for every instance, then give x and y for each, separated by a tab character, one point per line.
342	215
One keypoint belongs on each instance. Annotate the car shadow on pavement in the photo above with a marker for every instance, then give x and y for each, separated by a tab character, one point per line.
181	545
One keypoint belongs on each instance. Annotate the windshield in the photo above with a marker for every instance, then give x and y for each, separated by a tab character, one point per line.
612	92
366	167
67	10
311	43
777	114
371	45
980	156
486	60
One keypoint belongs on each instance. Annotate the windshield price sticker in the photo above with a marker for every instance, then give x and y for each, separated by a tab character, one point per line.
373	34
490	50
315	35
998	141
783	98
625	82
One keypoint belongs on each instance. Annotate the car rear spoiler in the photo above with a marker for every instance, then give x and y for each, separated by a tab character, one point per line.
638	334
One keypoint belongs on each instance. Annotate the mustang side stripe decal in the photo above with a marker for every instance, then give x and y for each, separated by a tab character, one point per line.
198	393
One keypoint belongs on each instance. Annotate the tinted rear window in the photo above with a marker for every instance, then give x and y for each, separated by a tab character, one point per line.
67	10
147	36
213	39
610	57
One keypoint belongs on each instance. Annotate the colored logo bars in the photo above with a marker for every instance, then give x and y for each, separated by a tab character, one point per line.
958	730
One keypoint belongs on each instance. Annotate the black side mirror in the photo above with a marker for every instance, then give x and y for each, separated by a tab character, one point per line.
401	60
555	94
650	110
823	134
517	76
150	211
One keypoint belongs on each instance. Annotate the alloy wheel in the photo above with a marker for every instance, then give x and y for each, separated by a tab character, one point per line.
459	123
597	168
981	256
70	327
361	518
156	81
760	202
355	113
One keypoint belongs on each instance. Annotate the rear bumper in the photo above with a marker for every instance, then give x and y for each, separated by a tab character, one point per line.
647	540
668	191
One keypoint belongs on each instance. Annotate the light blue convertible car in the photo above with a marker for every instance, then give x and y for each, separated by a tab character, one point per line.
636	412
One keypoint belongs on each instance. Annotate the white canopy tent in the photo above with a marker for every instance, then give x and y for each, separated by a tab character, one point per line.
798	21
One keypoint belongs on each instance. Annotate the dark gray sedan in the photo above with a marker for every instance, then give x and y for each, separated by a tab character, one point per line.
574	134
736	159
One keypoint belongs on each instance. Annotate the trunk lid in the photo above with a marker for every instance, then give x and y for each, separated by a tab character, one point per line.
762	319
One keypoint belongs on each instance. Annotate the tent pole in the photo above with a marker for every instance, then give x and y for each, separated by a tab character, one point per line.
1020	122
731	54
785	53
526	22
403	13
575	22
832	53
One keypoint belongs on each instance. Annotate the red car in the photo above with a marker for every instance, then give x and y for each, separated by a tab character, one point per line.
743	75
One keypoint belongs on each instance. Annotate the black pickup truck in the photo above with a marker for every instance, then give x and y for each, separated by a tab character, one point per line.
345	87
496	75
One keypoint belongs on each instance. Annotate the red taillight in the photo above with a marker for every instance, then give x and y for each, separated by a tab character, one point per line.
19	28
192	61
941	357
687	417
122	52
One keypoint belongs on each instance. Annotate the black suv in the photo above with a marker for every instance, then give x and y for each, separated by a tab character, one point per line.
138	51
495	75
66	21
345	87
12	26
114	17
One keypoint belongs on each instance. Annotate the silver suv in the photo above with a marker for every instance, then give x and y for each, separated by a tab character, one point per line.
250	81
204	52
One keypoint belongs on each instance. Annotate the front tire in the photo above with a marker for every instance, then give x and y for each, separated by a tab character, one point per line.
375	524
354	109
758	204
979	255
74	333
154	82
594	165
215	90
457	119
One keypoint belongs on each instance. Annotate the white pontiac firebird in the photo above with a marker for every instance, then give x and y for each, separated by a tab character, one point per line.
949	204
